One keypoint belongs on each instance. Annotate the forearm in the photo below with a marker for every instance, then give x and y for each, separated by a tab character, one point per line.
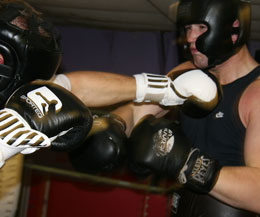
239	187
96	88
131	113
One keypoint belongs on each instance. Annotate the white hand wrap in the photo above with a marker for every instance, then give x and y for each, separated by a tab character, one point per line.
62	80
156	88
17	136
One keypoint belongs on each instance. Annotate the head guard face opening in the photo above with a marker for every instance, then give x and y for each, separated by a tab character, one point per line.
218	16
29	53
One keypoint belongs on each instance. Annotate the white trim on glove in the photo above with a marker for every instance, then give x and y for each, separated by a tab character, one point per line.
17	136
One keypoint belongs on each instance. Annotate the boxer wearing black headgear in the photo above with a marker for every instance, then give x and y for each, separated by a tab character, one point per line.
29	47
218	16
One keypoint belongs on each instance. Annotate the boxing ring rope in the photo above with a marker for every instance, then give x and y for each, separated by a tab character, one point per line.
98	179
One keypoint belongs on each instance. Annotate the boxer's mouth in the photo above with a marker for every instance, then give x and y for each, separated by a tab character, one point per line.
193	50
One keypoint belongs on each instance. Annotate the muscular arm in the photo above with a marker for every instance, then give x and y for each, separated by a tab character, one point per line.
97	89
240	186
131	113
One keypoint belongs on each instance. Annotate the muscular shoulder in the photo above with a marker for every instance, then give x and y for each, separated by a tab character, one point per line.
249	104
183	66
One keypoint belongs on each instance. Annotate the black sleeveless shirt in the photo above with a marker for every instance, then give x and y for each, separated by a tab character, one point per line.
221	133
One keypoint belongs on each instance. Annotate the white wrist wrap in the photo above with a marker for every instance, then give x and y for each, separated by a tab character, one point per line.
62	80
17	136
150	87
155	88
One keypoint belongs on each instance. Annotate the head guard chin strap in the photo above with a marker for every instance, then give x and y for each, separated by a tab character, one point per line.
30	53
218	16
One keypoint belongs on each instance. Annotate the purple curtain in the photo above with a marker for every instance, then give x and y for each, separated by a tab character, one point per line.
117	51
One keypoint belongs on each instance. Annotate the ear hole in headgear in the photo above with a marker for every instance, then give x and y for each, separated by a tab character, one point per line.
244	17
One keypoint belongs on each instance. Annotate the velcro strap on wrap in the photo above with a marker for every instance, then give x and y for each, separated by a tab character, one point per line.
151	87
156	88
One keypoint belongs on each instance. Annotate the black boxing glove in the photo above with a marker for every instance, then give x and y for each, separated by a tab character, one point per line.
42	114
159	146
104	149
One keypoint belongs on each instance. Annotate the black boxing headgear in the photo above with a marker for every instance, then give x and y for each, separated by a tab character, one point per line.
29	53
218	16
